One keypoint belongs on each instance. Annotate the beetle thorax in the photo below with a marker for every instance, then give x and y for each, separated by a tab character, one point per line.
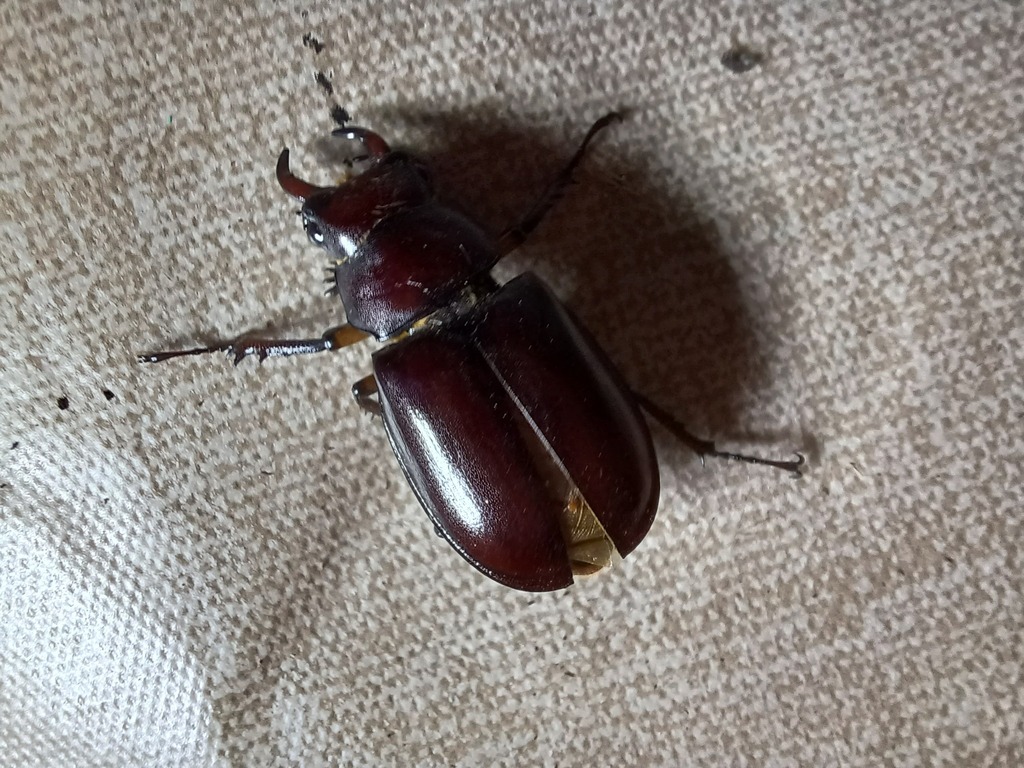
396	254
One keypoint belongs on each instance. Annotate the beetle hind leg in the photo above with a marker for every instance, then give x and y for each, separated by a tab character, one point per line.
706	447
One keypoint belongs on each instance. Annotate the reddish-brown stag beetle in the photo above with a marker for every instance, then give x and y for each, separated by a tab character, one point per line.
522	441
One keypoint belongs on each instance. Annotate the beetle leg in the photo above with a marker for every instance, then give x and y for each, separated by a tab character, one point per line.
363	391
707	448
335	338
515	235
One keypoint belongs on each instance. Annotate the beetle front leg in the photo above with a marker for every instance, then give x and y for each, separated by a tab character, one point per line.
707	448
247	344
515	235
363	391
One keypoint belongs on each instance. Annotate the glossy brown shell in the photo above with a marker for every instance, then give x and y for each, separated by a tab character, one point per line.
398	254
456	402
413	262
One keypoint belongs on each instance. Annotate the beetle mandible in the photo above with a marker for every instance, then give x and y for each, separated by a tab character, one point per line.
521	440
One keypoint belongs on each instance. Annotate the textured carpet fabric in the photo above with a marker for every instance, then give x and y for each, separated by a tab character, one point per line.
209	565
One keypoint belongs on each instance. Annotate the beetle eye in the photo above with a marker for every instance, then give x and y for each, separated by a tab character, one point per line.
314	233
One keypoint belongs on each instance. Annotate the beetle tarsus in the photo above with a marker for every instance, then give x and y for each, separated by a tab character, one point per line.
788	466
705	448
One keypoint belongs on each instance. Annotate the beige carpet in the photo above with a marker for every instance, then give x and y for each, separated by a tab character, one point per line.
202	564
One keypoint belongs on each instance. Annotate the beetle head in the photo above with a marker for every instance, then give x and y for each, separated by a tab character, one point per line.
394	254
338	219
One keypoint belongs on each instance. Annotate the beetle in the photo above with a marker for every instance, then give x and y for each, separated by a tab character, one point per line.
521	440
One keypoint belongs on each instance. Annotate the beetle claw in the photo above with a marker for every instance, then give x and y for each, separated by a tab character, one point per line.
794	472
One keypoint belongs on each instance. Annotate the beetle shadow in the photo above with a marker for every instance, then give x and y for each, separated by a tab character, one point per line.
631	254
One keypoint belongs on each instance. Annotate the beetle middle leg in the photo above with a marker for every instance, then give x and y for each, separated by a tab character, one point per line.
333	339
515	235
706	447
363	391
